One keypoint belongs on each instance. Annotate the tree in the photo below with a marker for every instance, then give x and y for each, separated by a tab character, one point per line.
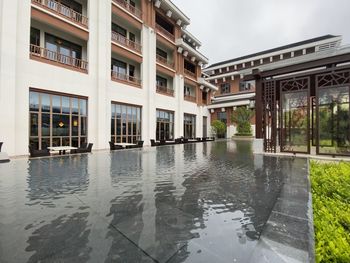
241	117
218	128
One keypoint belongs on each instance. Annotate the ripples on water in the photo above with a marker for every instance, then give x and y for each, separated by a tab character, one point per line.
200	202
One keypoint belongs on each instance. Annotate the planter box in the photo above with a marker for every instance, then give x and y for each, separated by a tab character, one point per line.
243	138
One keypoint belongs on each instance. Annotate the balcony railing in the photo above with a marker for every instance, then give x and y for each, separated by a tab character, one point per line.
190	73
165	90
190	98
49	55
125	78
63	10
165	32
126	42
136	12
165	61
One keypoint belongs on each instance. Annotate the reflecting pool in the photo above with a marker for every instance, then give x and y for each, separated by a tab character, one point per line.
202	202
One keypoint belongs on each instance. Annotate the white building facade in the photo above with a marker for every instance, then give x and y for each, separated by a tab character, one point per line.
97	71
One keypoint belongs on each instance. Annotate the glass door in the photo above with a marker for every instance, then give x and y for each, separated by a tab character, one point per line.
295	122
333	121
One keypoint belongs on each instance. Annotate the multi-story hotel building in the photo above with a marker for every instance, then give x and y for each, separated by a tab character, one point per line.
74	71
234	90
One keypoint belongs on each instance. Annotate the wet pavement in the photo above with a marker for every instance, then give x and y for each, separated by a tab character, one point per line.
202	202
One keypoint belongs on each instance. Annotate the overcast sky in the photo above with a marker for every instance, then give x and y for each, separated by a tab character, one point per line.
232	28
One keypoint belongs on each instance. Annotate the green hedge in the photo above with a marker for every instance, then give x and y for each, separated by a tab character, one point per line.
331	206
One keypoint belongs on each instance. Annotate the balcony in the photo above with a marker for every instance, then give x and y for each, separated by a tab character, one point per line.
190	98
126	42
48	56
120	77
165	61
165	90
164	32
131	9
63	11
190	73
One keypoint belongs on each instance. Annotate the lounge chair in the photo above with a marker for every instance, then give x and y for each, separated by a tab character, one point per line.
178	141
1	143
162	142
139	144
82	149
38	153
154	143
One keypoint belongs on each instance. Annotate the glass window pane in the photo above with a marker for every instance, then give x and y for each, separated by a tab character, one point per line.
75	142
45	103
56	104
34	143
75	125
60	125
34	124
75	106
33	101
83	126
83	107
66	105
113	126
45	124
45	142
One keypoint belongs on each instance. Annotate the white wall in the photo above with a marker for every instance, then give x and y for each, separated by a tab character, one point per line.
18	73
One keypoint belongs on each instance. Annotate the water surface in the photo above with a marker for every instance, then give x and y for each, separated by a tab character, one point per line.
203	202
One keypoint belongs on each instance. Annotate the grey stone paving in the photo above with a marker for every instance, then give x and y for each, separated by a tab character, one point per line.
203	202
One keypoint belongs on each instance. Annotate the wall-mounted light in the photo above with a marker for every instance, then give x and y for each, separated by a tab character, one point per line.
75	123
179	22
223	109
61	124
193	59
169	13
212	110
157	3
179	50
185	53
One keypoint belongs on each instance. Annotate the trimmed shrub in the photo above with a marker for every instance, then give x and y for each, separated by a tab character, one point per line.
218	128
241	116
331	206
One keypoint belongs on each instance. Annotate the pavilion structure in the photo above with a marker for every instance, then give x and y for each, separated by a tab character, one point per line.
302	105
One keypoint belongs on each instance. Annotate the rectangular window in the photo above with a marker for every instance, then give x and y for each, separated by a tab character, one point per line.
225	88
162	82
205	126
162	53
164	24
246	85
165	125
118	29
35	36
125	123
119	67
190	67
56	120
189	126
222	116
62	50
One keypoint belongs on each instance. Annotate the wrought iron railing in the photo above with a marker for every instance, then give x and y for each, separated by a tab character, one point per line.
59	58
63	10
126	42
126	78
166	90
129	8
165	32
165	61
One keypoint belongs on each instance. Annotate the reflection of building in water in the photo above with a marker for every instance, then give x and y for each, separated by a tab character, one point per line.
64	239
52	179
